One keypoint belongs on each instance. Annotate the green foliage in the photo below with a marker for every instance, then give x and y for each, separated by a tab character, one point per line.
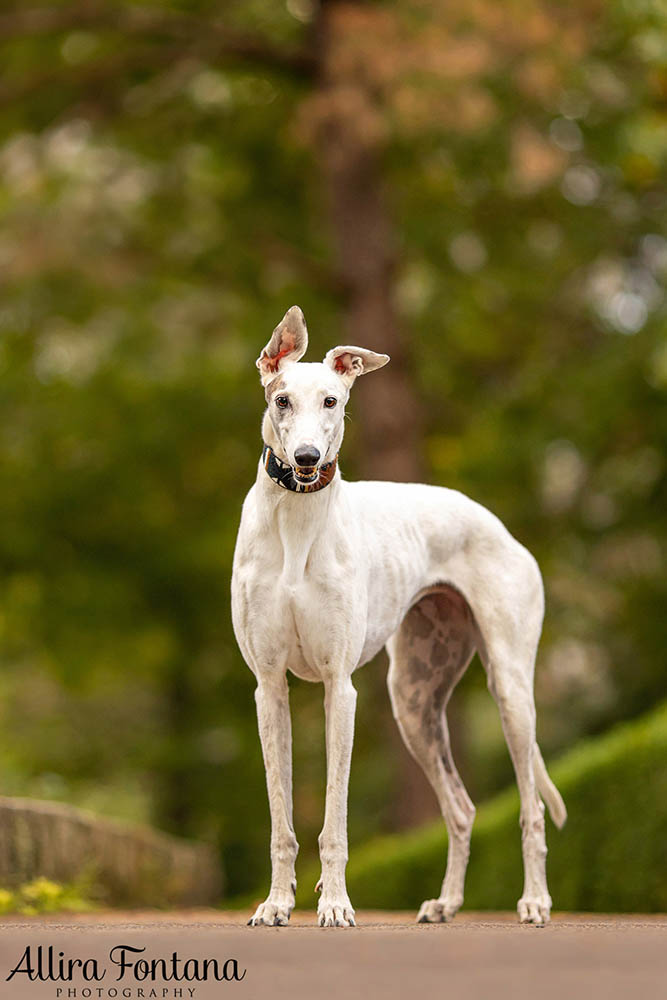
44	896
610	856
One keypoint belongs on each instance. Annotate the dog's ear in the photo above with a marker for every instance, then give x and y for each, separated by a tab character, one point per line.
288	343
348	362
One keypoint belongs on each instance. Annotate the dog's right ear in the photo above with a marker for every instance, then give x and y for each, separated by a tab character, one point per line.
288	343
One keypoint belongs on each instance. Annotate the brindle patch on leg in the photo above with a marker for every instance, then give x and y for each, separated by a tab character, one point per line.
420	670
429	654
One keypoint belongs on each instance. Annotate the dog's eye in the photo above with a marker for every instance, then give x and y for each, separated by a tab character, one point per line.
330	402
282	402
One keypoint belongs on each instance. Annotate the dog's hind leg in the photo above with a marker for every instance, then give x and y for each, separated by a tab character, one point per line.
428	655
507	643
510	683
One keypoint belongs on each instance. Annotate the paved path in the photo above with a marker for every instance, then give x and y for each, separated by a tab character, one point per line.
484	956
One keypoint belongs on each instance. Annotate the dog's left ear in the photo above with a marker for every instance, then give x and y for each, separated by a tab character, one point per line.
288	343
348	362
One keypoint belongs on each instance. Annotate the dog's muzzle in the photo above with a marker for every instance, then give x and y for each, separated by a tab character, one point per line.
301	479
306	469
305	473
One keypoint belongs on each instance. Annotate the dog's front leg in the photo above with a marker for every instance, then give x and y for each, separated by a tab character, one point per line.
334	908
273	716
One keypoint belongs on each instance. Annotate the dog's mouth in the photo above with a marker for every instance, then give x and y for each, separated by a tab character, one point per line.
305	474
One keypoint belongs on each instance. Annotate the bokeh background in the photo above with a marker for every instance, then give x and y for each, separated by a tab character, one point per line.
478	190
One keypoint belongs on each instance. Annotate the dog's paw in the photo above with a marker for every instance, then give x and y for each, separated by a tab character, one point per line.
274	912
437	911
534	910
335	913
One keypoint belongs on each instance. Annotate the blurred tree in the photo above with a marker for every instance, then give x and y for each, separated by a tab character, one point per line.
479	192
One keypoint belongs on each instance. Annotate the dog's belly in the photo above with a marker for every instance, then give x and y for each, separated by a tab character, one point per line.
375	641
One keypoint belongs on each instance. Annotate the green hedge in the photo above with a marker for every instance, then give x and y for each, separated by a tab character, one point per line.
610	856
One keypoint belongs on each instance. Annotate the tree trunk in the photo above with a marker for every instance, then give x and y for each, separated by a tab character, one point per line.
348	137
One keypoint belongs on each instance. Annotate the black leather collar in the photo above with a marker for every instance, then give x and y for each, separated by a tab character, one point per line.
283	474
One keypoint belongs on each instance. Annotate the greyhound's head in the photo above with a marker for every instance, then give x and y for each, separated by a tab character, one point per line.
303	423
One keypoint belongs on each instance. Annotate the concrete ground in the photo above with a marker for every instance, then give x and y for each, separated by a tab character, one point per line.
480	956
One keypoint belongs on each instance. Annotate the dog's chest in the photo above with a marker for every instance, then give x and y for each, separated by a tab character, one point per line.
315	601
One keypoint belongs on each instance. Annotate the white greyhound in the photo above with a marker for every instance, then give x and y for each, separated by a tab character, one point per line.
326	573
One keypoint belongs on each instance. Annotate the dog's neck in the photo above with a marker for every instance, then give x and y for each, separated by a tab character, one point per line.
297	519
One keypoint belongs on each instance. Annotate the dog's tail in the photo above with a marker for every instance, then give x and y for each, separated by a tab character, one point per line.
548	790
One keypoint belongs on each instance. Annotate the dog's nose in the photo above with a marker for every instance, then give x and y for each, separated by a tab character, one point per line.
307	456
